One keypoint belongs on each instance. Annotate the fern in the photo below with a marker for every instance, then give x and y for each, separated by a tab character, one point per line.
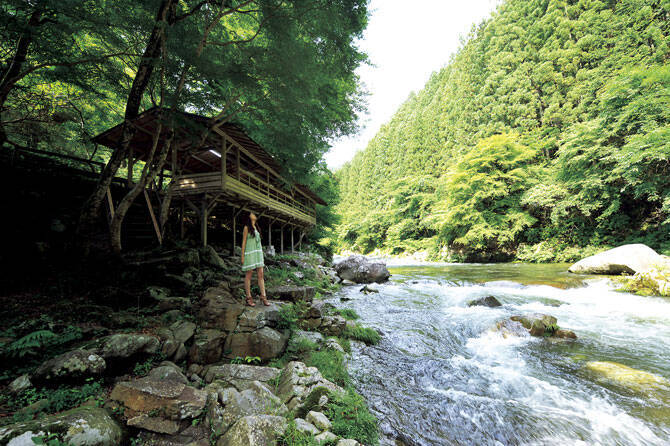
29	343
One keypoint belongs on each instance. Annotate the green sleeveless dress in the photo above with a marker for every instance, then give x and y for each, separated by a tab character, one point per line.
253	254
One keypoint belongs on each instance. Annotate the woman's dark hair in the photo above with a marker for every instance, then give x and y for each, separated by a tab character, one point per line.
247	223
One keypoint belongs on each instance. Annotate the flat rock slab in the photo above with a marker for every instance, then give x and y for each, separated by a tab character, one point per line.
293	293
168	399
240	376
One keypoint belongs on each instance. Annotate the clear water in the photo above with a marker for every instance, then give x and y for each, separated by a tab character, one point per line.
441	376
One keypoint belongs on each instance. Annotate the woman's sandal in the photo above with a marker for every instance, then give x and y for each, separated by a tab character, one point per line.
250	301
264	299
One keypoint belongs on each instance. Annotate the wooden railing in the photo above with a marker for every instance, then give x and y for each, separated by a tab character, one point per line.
248	186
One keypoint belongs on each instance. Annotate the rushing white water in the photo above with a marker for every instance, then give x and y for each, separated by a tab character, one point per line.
441	375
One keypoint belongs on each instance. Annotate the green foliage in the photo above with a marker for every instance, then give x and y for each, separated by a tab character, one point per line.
479	213
347	313
28	344
331	365
555	134
49	440
41	341
351	418
364	334
549	330
293	437
246	360
57	400
142	368
289	314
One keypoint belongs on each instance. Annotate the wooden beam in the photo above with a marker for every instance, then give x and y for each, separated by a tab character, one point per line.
153	218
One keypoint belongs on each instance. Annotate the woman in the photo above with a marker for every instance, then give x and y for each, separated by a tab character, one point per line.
252	258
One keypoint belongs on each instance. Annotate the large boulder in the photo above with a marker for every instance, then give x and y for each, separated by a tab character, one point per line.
488	301
266	343
207	347
332	325
240	376
254	430
126	345
70	366
158	405
210	257
359	269
540	325
626	259
255	400
83	426
220	310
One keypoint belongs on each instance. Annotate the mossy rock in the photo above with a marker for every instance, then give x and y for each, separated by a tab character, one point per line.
630	379
83	426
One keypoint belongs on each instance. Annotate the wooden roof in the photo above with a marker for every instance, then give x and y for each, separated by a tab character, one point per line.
188	132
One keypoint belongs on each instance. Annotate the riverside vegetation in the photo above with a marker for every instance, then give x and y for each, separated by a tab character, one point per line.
545	138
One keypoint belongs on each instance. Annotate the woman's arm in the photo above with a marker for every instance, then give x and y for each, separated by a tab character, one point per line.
244	241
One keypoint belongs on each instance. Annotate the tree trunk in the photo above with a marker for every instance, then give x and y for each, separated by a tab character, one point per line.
91	209
10	76
149	172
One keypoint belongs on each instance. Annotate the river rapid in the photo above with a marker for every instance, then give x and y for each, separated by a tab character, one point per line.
442	376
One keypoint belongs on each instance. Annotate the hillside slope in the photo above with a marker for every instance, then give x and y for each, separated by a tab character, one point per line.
545	135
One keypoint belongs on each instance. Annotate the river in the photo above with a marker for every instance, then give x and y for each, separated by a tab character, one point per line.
441	376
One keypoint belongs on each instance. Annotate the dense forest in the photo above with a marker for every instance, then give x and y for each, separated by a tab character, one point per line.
546	136
71	69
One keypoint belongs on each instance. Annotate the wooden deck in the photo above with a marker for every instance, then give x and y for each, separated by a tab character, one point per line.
248	188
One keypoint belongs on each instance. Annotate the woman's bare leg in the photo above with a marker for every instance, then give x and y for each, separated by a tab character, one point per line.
247	287
261	285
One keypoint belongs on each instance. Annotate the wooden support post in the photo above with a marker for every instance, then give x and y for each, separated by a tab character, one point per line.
224	167
270	233
237	161
300	241
130	167
160	179
234	231
182	228
292	243
203	220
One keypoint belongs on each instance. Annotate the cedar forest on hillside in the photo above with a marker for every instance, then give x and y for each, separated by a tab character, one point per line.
546	137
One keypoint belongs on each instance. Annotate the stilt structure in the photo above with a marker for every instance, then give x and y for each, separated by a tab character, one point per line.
219	165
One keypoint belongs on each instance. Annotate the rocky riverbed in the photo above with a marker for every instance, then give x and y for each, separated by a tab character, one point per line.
176	357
